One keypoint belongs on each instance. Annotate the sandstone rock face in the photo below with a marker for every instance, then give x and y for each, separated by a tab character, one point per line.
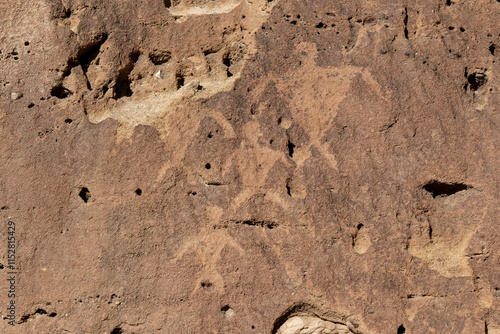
251	166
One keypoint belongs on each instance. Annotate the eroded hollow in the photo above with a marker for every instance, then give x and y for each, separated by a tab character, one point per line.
303	318
304	324
443	189
159	57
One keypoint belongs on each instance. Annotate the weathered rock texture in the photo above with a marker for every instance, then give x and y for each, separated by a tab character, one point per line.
237	166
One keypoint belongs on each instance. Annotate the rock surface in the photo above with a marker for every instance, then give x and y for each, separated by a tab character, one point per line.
237	166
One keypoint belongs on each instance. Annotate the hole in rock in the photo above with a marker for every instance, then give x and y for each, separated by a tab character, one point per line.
492	49
84	194
208	166
401	330
206	284
117	330
159	57
179	80
291	148
122	85
68	121
138	192
476	80
60	91
443	189
226	60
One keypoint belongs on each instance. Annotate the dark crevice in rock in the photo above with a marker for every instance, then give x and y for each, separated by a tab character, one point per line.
88	55
226	60
290	147
122	85
260	223
475	80
40	311
60	91
179	80
405	21
248	222
443	189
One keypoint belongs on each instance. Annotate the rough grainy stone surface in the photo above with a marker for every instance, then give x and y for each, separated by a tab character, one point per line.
237	166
